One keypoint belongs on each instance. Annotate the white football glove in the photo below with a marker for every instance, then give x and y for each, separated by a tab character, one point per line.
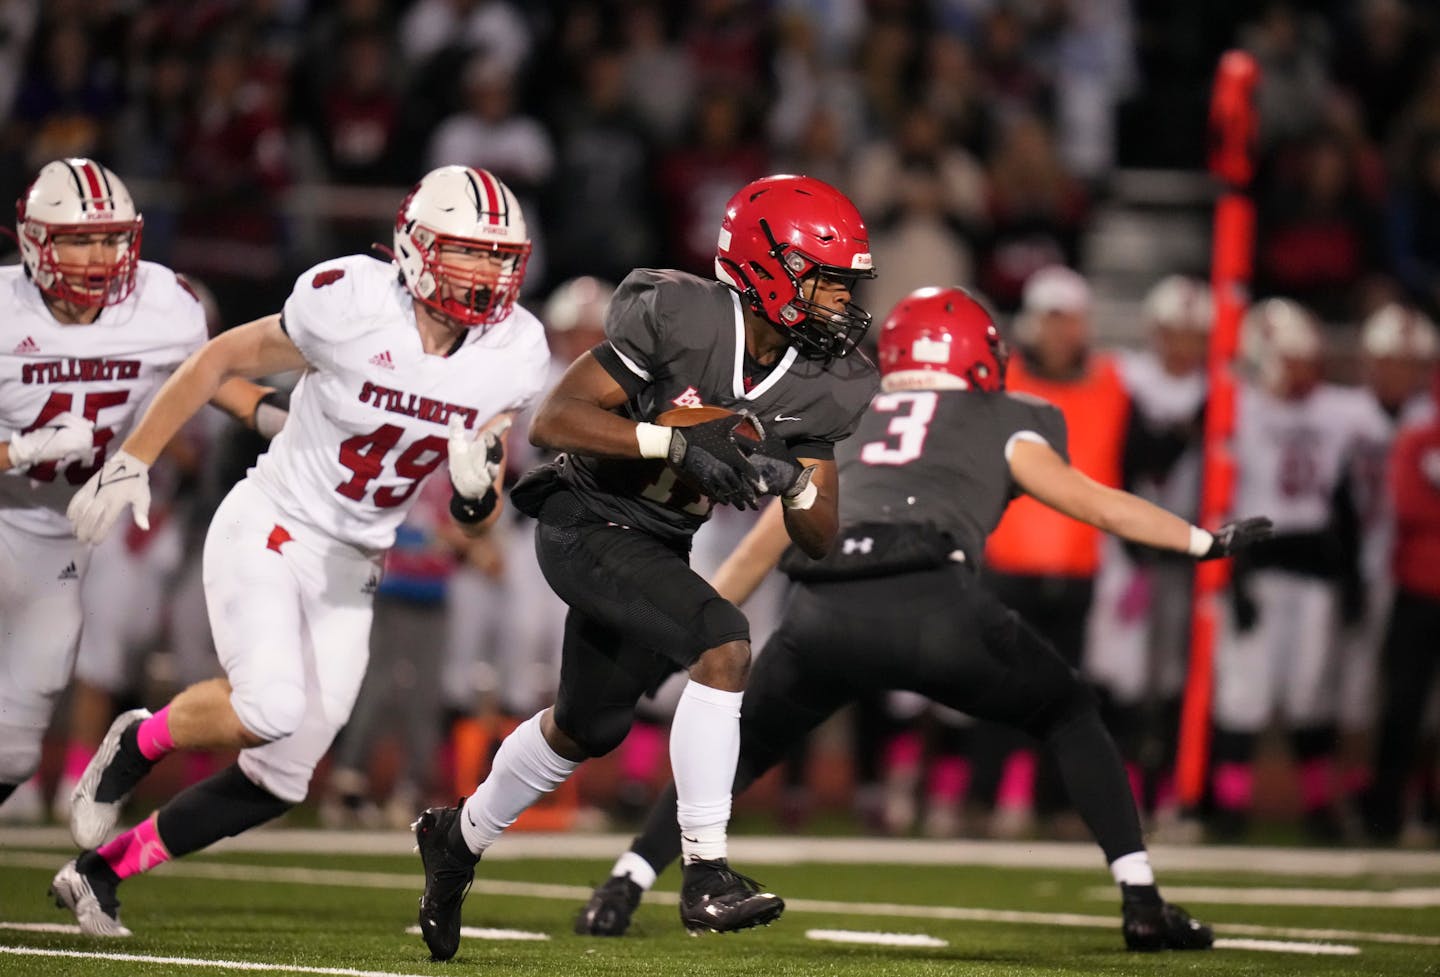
475	462
64	438
123	481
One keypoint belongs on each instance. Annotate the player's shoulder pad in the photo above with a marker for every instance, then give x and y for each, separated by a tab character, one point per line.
170	301
340	293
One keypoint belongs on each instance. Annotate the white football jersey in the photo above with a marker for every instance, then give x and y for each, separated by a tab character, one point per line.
105	371
369	420
1168	401
1292	454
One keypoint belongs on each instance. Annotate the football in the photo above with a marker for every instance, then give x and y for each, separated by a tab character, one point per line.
690	416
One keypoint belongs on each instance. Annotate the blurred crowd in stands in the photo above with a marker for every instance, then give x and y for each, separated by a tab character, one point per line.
980	139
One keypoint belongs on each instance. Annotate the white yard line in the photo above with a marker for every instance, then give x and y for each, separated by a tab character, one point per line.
833	851
272	968
875	939
1260	896
490	933
1282	946
411	882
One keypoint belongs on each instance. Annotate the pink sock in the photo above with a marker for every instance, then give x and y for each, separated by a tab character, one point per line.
949	778
1234	786
77	758
154	735
1315	783
137	850
903	751
644	748
1017	781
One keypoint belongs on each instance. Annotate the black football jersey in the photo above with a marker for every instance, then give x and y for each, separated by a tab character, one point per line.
937	457
677	340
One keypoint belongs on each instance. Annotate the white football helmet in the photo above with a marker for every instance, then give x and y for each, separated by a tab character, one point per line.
1276	331
78	196
1399	332
458	207
1179	302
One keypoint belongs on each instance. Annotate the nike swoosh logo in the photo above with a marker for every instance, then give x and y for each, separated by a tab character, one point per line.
121	478
782	417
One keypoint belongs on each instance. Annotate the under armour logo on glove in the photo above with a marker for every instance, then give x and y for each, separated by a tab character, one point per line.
123	481
64	438
1233	537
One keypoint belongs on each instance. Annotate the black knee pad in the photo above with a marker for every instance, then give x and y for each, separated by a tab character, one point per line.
596	731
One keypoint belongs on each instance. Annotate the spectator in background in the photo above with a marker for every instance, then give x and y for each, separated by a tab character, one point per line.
926	198
1036	212
602	214
1379	58
360	113
1320	238
493	28
953	89
884	67
1414	223
1039	562
1293	83
659	79
234	164
1015	83
489	133
65	102
725	41
1410	658
808	81
700	175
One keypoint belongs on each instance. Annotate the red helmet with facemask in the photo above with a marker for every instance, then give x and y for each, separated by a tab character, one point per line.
941	338
79	197
779	237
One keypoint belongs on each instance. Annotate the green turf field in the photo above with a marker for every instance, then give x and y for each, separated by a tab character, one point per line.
347	914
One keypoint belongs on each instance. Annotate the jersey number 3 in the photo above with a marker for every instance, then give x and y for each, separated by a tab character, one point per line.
364	454
94	402
910	427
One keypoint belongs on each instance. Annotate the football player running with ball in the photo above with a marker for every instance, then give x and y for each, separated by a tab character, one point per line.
773	340
407	363
89	333
897	604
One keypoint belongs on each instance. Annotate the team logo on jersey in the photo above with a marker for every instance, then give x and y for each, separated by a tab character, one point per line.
69	573
690	398
383	359
371	585
328	277
414	405
26	345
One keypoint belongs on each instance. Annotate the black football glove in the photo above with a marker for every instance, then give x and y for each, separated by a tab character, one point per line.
1233	537
710	454
781	473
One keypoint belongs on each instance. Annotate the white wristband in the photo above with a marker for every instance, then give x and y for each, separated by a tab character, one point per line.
1200	542
804	500
654	440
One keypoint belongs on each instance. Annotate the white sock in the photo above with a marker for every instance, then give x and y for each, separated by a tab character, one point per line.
704	748
641	872
525	769
1133	869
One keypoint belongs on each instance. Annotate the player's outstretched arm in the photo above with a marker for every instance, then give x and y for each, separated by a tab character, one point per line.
753	557
261	409
1043	474
255	349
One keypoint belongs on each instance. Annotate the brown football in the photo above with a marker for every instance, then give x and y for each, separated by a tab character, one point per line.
690	416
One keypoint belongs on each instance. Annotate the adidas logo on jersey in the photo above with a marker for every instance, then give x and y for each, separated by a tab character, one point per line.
69	573
26	345
383	359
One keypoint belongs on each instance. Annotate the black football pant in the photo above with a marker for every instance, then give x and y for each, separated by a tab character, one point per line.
1410	666
938	633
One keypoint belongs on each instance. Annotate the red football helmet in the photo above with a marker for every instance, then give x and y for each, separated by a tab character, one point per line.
777	231
79	197
941	338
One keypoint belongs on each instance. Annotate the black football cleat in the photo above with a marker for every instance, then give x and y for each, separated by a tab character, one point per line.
716	899
1151	923
610	907
448	875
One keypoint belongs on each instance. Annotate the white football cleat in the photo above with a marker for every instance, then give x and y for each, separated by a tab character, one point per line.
92	820
98	913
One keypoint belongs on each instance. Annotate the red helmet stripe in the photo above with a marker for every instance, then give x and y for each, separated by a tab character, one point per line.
97	192
494	199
